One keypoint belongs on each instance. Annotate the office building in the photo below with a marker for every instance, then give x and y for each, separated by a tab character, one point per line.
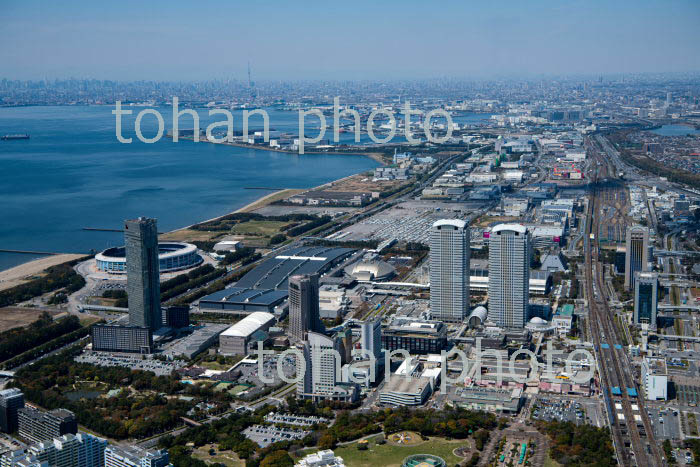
509	275
414	335
114	338
449	270
655	378
646	286
11	400
142	273
303	306
134	456
81	450
37	426
322	378
176	316
637	256
403	391
371	339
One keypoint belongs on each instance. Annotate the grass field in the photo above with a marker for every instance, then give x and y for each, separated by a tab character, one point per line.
228	458
549	462
259	228
392	455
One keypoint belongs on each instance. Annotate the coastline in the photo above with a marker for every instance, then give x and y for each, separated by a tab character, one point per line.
24	272
376	156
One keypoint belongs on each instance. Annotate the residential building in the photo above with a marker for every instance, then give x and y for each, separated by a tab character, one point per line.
134	456
509	275
449	270
80	450
37	426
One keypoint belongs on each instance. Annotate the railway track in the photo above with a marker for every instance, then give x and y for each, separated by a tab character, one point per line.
634	441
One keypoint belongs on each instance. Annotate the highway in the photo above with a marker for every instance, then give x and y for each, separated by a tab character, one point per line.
633	437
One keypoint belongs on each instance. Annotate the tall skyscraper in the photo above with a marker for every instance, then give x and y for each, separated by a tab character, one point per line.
646	298
142	273
11	400
449	270
509	275
637	256
303	306
371	338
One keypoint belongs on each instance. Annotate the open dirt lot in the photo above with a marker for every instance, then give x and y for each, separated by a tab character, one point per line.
12	317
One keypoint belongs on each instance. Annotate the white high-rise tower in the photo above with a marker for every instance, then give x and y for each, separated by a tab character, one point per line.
449	270
509	275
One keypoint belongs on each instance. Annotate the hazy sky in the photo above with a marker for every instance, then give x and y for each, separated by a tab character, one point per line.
194	40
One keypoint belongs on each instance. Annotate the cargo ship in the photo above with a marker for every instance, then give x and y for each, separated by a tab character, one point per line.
11	137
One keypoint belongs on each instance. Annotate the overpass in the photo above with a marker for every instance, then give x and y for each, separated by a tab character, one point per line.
678	308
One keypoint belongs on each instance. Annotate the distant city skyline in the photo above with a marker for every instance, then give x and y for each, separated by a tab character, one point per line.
175	41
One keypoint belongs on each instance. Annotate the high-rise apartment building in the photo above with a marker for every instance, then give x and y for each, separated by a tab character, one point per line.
134	456
646	298
509	275
37	426
303	306
11	400
142	273
81	450
637	256
449	270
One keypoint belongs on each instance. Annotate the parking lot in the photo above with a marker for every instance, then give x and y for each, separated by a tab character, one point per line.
561	410
135	362
265	435
666	425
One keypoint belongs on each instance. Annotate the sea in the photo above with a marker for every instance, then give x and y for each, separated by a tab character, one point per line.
73	174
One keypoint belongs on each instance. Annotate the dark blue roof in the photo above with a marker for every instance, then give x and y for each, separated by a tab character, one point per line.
274	272
246	295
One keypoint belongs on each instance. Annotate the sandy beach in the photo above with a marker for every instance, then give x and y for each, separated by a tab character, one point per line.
24	272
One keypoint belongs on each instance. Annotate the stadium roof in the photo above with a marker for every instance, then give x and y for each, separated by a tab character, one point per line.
274	272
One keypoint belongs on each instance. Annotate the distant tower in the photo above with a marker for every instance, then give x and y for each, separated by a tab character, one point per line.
509	275
646	298
251	84
142	273
303	306
637	256
449	270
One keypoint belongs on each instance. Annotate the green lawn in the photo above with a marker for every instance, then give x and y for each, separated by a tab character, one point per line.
262	228
228	458
549	462
388	455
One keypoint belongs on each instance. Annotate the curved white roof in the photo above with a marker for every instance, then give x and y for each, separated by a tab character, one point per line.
460	224
479	312
509	227
249	324
537	320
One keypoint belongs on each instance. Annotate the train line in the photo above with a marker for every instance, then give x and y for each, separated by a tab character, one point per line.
632	433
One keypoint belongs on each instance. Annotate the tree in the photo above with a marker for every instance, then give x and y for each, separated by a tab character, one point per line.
277	459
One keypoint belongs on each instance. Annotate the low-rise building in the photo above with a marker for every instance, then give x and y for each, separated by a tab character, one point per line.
238	339
655	378
405	391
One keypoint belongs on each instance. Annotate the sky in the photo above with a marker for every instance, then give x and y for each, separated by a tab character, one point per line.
354	39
